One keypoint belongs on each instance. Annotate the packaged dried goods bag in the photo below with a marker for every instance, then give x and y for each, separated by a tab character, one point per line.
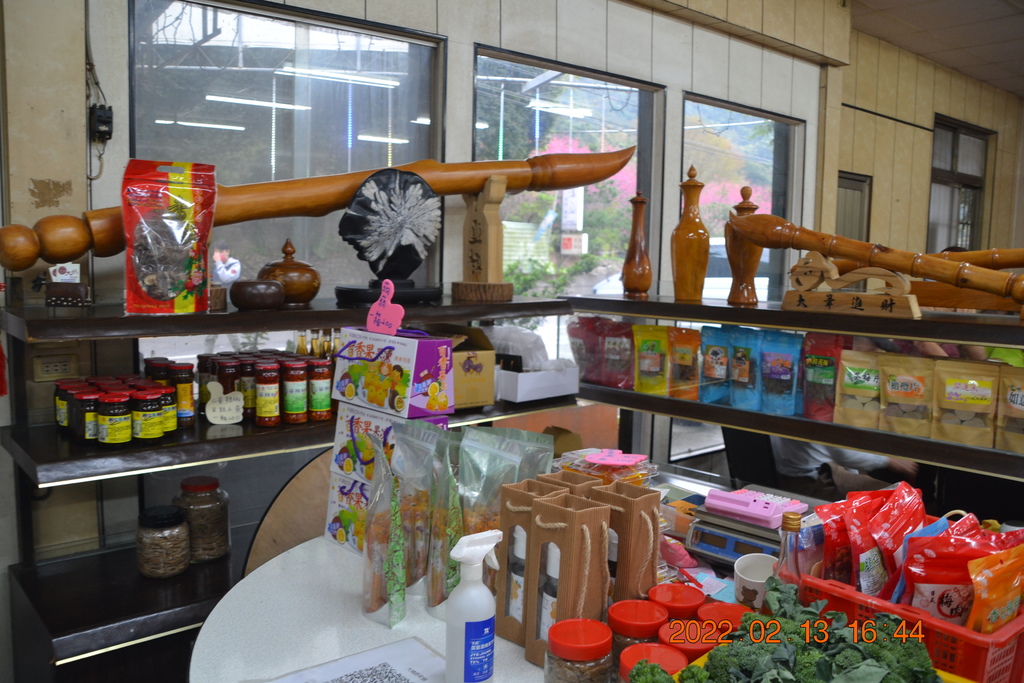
584	340
998	580
714	365
616	348
780	363
745	368
894	590
900	516
869	573
445	521
533	450
652	352
966	394
684	363
820	362
384	558
858	401
907	385
168	214
1010	410
412	464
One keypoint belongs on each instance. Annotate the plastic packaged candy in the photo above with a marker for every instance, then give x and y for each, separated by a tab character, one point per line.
638	470
384	557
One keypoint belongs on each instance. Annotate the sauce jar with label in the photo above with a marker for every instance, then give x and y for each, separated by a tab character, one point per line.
60	398
579	651
183	380
113	419
147	416
203	377
83	425
320	389
162	542
206	509
160	371
169	408
268	394
247	385
634	621
294	384
228	372
147	365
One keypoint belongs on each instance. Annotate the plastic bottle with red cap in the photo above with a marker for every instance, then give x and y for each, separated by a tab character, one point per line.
668	658
633	622
579	651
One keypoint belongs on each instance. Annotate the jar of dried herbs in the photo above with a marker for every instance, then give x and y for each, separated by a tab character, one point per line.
161	542
579	651
206	509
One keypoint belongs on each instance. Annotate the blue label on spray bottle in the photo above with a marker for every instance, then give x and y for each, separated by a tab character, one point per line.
479	664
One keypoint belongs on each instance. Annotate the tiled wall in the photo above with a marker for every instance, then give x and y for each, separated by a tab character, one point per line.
888	137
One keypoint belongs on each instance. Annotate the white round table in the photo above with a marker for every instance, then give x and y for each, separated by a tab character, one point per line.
304	608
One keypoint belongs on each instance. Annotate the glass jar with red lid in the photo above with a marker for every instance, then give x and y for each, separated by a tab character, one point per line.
60	398
82	415
169	407
319	389
578	650
268	394
203	377
294	382
668	658
183	380
247	385
147	416
634	621
113	420
206	509
228	372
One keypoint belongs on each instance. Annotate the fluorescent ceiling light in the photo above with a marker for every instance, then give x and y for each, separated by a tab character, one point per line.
339	76
555	108
481	125
255	103
377	138
422	120
194	124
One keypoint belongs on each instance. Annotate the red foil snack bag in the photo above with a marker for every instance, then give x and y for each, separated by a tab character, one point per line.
869	573
902	514
821	354
616	344
168	213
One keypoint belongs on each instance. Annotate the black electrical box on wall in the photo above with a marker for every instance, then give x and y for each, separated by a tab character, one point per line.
101	122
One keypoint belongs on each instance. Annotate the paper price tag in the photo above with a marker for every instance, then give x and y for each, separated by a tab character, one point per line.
224	409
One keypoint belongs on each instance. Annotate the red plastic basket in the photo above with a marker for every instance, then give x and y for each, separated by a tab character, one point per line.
995	658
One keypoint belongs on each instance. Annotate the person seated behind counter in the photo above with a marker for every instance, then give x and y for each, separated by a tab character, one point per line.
830	473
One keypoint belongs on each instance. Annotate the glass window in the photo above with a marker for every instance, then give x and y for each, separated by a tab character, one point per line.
958	171
269	98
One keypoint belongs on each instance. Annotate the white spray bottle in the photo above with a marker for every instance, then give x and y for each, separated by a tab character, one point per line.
470	610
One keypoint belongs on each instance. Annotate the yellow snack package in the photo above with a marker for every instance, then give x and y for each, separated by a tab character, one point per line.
652	354
998	579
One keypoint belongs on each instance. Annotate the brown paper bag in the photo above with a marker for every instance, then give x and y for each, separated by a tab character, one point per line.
577	484
857	390
965	402
635	517
513	552
907	384
1010	410
568	536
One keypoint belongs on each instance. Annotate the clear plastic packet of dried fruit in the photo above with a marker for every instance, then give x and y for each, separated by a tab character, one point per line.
384	557
168	214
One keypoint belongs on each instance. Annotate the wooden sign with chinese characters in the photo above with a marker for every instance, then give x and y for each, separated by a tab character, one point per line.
892	301
483	246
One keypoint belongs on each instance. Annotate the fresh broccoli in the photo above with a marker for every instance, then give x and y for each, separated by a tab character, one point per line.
906	658
647	672
692	674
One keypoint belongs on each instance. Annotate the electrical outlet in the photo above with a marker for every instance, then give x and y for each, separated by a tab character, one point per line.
48	368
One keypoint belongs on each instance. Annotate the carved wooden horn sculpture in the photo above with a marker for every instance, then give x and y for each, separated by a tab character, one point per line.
773	232
57	239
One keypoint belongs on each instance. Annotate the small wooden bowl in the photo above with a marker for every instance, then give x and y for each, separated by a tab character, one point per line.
257	295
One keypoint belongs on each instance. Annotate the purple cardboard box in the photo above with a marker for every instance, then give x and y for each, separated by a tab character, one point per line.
408	374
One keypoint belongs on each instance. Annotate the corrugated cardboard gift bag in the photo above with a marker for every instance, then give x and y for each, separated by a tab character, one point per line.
635	517
576	483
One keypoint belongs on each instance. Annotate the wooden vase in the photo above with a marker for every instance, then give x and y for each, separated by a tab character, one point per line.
691	244
636	270
744	256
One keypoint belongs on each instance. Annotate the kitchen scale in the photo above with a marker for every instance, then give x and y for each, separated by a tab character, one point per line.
722	538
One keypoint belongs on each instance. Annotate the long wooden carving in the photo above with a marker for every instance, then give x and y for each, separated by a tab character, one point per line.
774	232
57	239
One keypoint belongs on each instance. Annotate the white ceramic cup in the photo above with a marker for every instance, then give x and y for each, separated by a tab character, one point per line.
751	571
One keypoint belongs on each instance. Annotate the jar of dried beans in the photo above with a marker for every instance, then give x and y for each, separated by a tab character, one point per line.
206	510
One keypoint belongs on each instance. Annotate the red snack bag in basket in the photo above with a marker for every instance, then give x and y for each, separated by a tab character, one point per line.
168	213
820	365
869	573
837	562
902	514
616	346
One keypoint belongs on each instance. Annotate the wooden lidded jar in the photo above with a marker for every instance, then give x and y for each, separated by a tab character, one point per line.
300	279
691	244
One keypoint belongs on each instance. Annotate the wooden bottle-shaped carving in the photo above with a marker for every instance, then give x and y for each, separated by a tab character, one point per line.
690	243
744	257
636	271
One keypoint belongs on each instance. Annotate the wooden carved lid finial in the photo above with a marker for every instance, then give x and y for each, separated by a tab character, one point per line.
745	207
691	179
638	199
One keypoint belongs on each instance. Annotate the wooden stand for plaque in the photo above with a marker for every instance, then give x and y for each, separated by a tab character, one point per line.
815	269
482	247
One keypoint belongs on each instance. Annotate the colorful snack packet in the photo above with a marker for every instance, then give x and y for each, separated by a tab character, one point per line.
857	390
583	342
744	368
445	522
714	366
684	366
998	580
820	362
780	362
412	464
869	573
901	515
616	345
652	352
384	557
907	384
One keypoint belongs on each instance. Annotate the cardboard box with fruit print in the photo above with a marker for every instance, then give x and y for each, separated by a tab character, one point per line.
406	375
346	510
361	436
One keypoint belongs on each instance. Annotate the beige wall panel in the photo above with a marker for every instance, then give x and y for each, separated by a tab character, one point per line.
810	25
1000	100
776	81
850	73
906	87
864	143
745	13
920	190
837	31
712	8
672	52
779	19
867	72
629	40
417	15
902	179
710	63
957	95
583	33
972	101
529	26
924	105
1005	196
1012	123
745	69
806	90
846	140
345	8
881	187
475	22
986	101
940	103
888	78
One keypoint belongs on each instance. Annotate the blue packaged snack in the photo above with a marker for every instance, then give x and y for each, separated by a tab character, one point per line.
745	368
714	370
780	361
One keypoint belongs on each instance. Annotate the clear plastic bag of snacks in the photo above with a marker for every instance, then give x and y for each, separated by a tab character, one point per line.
608	465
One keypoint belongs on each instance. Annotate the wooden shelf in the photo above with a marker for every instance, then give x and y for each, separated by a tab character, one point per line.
108	321
957	328
49	458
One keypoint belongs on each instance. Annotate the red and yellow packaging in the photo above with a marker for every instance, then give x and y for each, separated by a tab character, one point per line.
168	213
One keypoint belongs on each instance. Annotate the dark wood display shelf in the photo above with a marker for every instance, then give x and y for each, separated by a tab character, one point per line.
990	330
90	603
51	459
983	460
108	321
